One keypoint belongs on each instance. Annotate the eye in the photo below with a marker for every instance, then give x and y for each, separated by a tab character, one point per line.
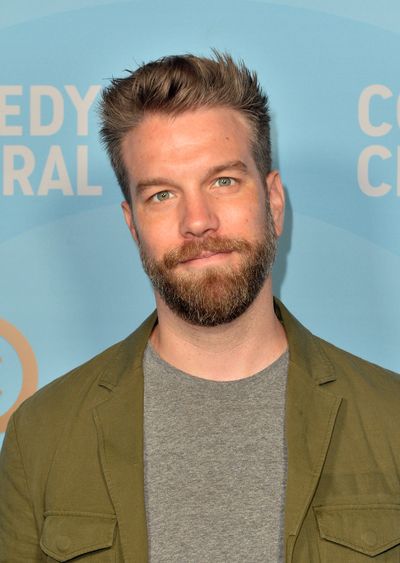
225	182
161	196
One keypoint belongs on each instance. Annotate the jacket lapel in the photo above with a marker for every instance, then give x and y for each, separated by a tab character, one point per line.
119	423
310	418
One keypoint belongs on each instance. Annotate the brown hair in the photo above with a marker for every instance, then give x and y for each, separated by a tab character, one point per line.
176	84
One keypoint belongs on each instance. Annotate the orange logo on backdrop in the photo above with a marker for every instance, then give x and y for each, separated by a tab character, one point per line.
28	364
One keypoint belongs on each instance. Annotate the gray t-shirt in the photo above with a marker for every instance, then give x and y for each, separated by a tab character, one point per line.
215	465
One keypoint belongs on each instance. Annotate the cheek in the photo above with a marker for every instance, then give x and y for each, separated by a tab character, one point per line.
156	241
249	217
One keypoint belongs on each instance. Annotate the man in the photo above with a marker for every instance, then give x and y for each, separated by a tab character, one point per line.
221	430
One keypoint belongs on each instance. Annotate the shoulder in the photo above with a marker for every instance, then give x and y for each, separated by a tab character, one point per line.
334	369
84	386
51	405
323	359
356	375
370	394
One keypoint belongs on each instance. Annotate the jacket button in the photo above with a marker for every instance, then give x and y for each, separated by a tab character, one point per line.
63	543
369	537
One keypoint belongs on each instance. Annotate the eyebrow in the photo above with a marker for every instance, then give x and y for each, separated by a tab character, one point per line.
234	164
160	181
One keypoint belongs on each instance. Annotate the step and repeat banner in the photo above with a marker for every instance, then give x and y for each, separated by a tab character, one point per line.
71	282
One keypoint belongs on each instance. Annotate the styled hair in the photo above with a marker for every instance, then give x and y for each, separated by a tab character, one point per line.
175	84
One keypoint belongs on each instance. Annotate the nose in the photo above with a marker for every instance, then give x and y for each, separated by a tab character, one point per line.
198	216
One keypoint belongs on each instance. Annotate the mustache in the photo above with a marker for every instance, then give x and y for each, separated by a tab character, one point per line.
193	249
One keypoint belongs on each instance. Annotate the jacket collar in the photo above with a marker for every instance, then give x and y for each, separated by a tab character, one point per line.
304	352
128	357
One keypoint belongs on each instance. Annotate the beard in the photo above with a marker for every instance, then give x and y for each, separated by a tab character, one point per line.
214	295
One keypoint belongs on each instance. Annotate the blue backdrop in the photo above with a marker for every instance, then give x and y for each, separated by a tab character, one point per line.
71	282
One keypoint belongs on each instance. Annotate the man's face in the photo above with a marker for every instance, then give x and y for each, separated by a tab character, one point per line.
201	213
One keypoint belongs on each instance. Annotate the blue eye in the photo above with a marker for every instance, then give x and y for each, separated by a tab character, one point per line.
162	196
225	181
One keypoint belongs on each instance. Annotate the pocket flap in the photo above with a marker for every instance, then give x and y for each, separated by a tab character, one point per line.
68	534
369	529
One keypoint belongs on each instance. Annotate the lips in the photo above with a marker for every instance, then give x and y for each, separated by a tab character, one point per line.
201	249
203	255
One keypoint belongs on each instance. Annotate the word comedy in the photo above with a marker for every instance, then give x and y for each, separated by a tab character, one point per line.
33	115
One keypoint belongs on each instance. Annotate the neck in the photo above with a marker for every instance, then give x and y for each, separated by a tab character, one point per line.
223	353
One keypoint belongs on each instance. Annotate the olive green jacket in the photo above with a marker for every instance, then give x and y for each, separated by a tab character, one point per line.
71	469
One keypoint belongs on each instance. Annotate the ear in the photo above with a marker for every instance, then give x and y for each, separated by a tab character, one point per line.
128	216
276	195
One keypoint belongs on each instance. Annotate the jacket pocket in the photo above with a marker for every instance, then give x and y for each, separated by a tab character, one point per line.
68	535
357	533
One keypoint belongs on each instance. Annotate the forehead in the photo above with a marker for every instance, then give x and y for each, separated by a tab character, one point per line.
188	142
